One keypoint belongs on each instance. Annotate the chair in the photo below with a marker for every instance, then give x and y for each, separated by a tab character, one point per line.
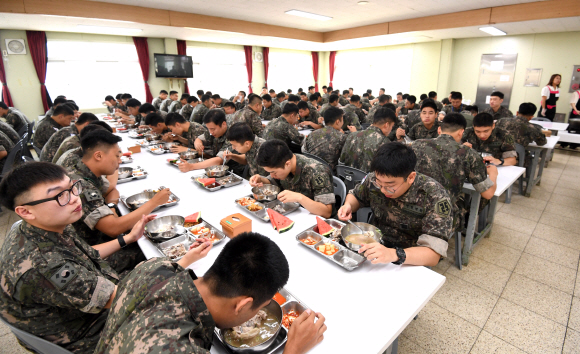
14	156
364	215
365	125
38	344
339	191
246	173
541	119
350	175
317	158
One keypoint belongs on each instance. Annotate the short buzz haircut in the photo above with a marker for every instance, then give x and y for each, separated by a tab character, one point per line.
231	105
429	103
171	93
384	115
445	100
303	93
384	98
382	89
498	94
133	102
332	115
310	88
191	99
281	95
253	99
333	98
95	126
423	97
394	160
249	265
146	108
483	120
293	98
215	116
345	92
63	109
172	118
215	97
118	96
266	97
472	108
126	96
411	99
527	109
200	92
390	106
23	178
98	139
314	97
273	154
240	132
110	98
324	87
432	94
405	96
355	98
205	97
456	95
272	91
87	118
184	96
3	105
452	122
290	108
153	119
243	93
329	88
163	92
302	105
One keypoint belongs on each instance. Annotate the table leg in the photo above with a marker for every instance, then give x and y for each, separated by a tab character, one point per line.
543	157
531	178
491	214
471	225
508	196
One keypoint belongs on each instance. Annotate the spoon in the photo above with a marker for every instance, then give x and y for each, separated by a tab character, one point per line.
361	231
224	162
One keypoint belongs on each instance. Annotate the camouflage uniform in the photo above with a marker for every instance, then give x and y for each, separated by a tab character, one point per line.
198	113
439	105
324	108
419	131
68	144
248	116
186	111
311	179
350	118
326	143
502	112
420	217
70	158
158	309
451	164
500	143
52	145
230	119
165	105
366	104
157	102
218	146
251	158
283	103
5	145
44	131
94	209
325	98
450	109
16	119
195	131
372	111
175	107
413	117
360	147
524	133
55	286
312	117
223	103
9	132
271	112
280	129
343	101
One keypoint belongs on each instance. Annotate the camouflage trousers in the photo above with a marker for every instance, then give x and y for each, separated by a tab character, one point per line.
125	260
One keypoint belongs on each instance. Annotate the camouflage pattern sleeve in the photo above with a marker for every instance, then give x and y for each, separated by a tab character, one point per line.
537	135
9	131
295	135
362	191
438	220
508	147
320	179
476	171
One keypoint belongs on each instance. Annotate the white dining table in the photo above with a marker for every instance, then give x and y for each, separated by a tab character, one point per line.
551	125
366	309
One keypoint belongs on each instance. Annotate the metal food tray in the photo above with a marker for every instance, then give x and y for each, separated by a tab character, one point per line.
128	160
344	257
186	240
175	199
133	177
136	136
161	150
338	225
145	143
236	180
217	232
263	214
292	303
196	160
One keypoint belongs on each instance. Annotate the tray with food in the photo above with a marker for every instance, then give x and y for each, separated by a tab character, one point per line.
160	149
127	174
206	230
176	161
133	134
258	209
175	248
135	201
126	159
213	184
330	250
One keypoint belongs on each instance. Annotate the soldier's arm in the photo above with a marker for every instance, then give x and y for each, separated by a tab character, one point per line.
477	175
437	226
3	152
540	137
295	136
509	153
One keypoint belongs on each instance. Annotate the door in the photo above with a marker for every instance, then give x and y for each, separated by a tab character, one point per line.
496	73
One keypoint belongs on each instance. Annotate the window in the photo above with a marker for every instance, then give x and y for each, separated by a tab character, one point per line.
219	69
86	72
290	69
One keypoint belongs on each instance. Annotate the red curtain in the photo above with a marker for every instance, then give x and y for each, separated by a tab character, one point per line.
266	51
248	52
315	69
182	50
143	55
331	61
38	52
6	98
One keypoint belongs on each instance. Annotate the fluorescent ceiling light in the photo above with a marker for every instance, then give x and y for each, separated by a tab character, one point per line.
493	31
86	18
308	15
107	30
363	2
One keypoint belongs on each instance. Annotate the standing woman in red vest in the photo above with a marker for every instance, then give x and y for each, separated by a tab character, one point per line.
550	94
575	104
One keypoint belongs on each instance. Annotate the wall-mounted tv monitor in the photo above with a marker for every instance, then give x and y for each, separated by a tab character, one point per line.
173	66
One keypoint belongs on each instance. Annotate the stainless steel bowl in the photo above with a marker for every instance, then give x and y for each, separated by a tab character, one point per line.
188	155
142	130
350	230
167	146
277	311
258	192
154	227
137	200
216	171
152	137
125	172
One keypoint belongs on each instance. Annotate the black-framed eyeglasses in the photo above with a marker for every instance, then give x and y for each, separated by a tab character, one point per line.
62	198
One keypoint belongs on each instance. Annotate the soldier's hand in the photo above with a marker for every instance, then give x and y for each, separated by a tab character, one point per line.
178	149
198	250
161	197
167	137
351	128
186	166
320	120
305	332
256	181
400	133
345	212
288	196
377	253
547	133
492	172
198	144
139	228
468	144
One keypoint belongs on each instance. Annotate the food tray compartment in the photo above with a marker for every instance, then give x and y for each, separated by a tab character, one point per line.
229	180
278	343
338	225
173	199
348	259
218	234
343	257
180	239
178	161
263	214
143	172
211	188
126	159
156	149
260	214
287	207
292	305
306	234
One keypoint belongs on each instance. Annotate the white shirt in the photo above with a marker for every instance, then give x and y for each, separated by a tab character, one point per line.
574	98
546	91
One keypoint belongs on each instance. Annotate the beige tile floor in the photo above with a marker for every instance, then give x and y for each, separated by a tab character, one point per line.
520	292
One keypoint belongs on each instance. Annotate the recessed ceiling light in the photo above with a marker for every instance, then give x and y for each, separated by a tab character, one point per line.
363	2
493	31
308	15
86	18
107	30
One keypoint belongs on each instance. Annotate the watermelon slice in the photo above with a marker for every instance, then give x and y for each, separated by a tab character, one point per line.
205	181
194	218
282	223
323	228
269	211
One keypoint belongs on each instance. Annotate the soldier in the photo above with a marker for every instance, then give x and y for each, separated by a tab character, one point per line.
456	106
199	93
53	144
400	100
412	112
132	116
57	102
182	131
310	91
55	286
9	132
365	103
146	109
496	110
272	94
251	114
450	163
375	101
412	211
351	116
303	96
313	102
176	105
382	100
158	126
370	94
291	99
300	179
158	100
218	101
111	103
280	97
61	118
433	95
485	137
326	95
308	117
64	157
283	127
178	311
360	147
13	117
229	110
173	96
6	145
327	142
246	144
271	110
188	108
332	102
99	222
201	109
428	128
343	100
